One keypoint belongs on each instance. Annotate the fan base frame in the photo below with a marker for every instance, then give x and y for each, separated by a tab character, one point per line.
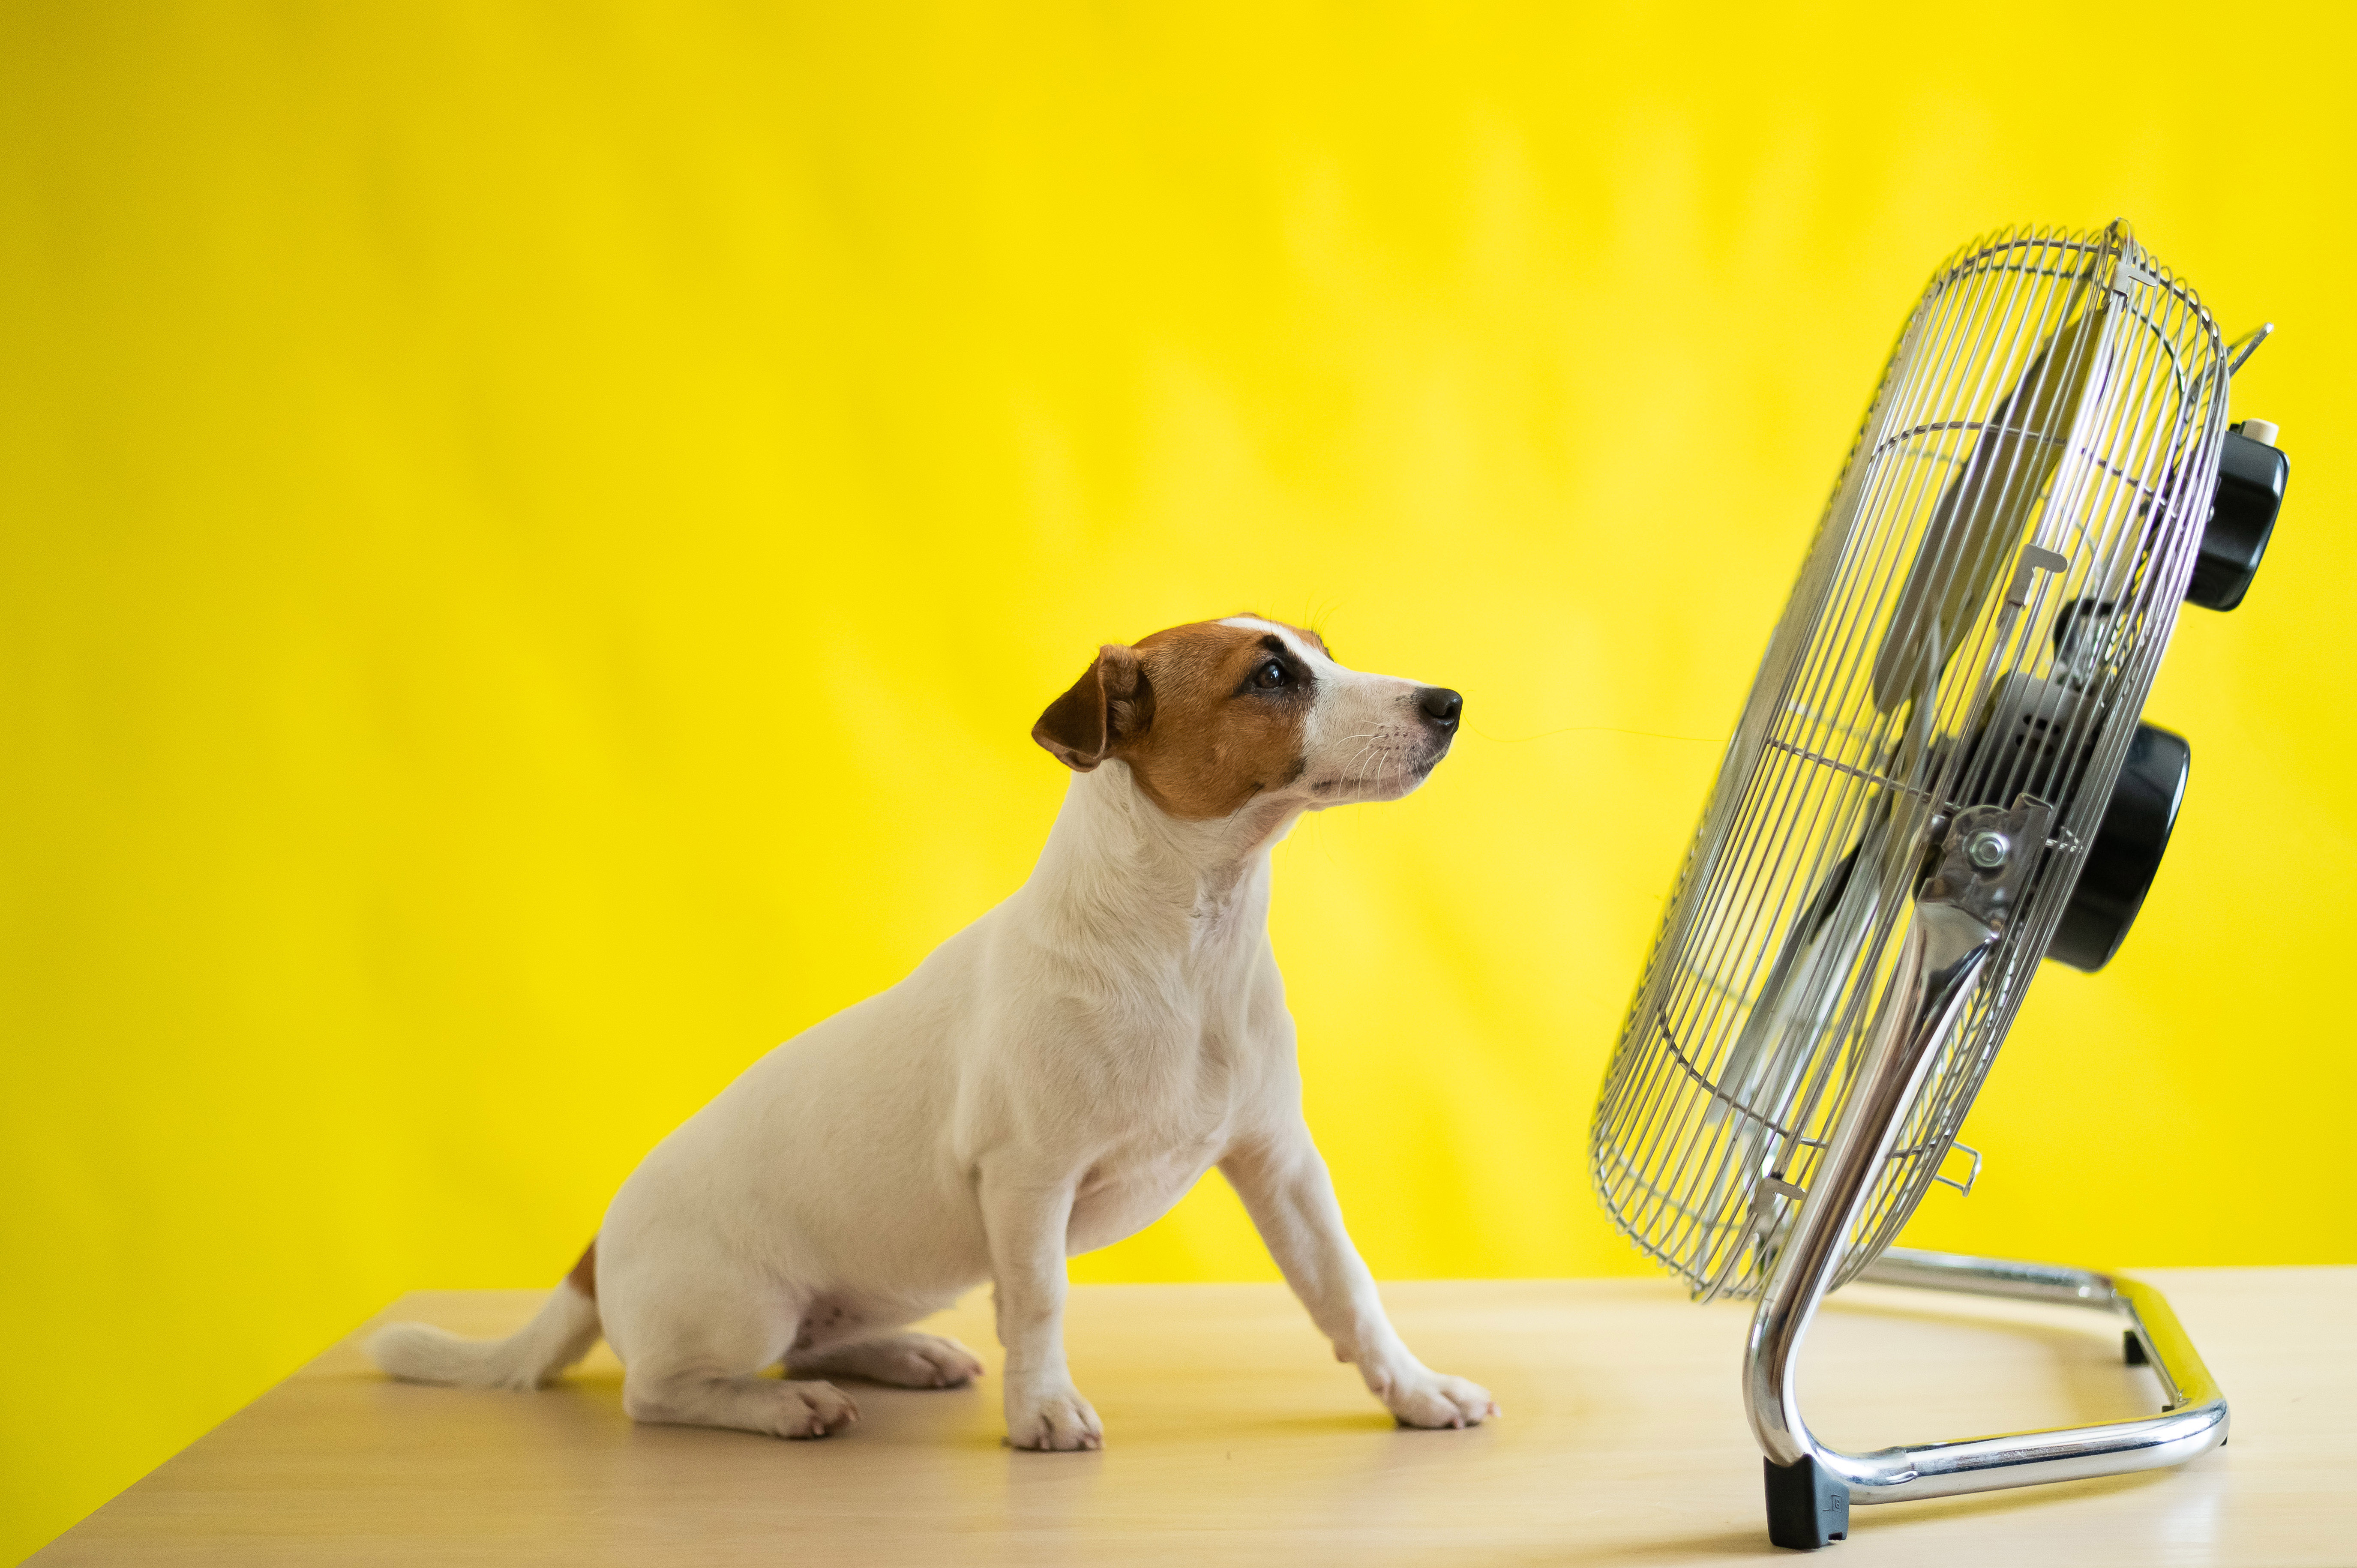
1811	1493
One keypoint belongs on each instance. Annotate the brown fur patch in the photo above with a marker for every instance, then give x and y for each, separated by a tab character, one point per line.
584	1277
1182	710
1213	744
1109	700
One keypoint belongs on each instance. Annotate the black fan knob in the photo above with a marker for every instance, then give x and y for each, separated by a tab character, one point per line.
2126	851
2250	476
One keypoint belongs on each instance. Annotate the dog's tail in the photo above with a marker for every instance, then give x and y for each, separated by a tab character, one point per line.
559	1335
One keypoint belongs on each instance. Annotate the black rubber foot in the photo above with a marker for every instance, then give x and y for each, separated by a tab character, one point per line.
1806	1508
2131	1348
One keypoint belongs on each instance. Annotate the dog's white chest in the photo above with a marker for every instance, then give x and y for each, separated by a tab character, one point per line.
1158	1142
1118	1201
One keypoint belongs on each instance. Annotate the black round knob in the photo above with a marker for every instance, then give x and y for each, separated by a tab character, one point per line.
2120	863
2251	477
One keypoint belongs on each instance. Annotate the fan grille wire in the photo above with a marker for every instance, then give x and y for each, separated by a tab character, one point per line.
2051	388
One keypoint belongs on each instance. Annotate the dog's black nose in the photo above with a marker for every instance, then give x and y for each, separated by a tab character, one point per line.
1441	706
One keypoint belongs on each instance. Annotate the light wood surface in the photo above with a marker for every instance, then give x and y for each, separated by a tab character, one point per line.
1233	1439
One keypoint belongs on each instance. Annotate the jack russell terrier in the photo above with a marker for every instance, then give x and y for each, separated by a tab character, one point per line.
1050	1079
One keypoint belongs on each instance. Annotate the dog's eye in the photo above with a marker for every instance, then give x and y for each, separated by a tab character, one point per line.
1271	676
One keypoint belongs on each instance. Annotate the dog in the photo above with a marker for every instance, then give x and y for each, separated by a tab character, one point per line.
1050	1079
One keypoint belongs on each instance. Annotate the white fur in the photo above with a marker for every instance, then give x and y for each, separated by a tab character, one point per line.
1048	1080
559	1333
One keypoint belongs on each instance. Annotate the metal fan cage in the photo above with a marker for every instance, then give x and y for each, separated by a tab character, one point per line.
1979	617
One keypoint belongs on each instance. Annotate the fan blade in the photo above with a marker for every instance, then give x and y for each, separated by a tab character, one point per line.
1978	522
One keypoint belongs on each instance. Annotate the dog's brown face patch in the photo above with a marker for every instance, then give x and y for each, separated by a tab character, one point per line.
1229	705
1207	715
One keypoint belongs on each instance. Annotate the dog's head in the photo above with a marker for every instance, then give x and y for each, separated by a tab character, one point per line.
1219	715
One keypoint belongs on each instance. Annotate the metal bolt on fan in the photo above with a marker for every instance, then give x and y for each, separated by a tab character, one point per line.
1941	776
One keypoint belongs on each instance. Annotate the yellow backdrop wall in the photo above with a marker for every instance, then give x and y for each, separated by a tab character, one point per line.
536	535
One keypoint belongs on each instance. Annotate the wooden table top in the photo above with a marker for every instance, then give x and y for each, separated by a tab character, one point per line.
1232	1438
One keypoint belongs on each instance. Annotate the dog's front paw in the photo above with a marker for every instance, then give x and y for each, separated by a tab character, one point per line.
1051	1420
1435	1399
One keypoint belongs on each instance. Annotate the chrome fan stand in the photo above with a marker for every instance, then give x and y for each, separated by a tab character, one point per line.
1990	856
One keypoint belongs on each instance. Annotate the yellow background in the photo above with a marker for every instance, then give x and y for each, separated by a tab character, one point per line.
534	536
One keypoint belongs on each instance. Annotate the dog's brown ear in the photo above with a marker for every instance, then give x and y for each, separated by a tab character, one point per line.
1111	702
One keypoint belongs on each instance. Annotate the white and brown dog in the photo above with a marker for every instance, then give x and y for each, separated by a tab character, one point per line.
1050	1079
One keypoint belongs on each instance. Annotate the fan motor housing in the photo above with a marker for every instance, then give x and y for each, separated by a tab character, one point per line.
2142	812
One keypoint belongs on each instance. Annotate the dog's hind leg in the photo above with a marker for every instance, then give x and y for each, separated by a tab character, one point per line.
901	1361
694	1359
788	1407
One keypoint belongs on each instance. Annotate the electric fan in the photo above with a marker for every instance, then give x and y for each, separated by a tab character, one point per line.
1941	776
